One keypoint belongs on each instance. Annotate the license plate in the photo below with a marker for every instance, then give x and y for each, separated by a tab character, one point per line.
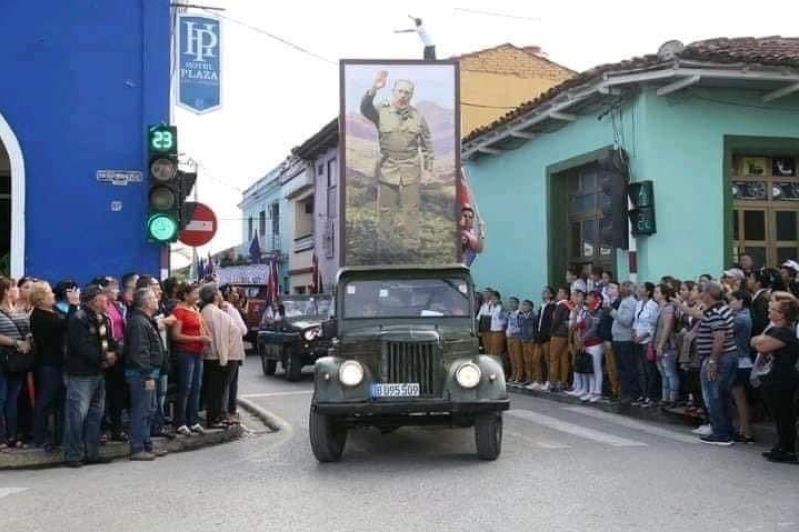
404	389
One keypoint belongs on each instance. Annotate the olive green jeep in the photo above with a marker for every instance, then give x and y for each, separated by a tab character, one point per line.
405	352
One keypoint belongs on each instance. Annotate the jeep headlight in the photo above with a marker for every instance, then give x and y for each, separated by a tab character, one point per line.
310	334
350	373
468	375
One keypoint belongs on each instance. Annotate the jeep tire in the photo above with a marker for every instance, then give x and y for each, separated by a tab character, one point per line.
292	365
269	365
488	435
327	438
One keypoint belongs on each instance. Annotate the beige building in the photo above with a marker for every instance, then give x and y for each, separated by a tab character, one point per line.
497	80
297	189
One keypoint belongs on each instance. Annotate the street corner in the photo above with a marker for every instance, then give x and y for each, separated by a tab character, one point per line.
268	419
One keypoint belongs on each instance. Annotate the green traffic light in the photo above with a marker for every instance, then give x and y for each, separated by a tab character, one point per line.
162	228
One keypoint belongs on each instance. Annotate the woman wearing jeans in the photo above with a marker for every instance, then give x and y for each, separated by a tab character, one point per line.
665	346
14	329
190	339
646	316
740	303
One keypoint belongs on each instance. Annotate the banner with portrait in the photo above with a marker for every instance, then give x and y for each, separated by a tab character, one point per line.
400	162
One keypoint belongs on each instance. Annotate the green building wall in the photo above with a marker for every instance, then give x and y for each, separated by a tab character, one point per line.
682	142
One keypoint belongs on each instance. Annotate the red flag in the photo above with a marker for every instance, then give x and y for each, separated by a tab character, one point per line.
472	231
272	285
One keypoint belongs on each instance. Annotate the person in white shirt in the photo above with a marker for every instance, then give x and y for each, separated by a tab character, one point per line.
494	337
429	53
644	323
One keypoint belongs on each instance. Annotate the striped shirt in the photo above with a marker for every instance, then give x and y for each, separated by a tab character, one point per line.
717	318
14	325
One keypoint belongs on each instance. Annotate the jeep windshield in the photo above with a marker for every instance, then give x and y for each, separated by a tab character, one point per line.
406	298
296	308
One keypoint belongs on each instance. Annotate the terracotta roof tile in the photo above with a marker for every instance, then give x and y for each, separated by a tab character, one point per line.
766	51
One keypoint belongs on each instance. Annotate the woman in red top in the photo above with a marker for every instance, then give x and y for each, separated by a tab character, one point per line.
189	338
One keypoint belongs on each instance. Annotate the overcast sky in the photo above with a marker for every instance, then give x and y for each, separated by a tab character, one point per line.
275	97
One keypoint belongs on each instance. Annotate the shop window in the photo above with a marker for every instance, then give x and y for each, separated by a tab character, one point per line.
754	225
786	226
585	220
765	216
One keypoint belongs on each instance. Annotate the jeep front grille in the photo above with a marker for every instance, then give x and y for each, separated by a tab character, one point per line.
412	362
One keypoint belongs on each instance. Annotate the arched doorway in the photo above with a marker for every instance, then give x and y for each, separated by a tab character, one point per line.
12	203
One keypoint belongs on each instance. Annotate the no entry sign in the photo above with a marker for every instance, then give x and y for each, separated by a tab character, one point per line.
201	226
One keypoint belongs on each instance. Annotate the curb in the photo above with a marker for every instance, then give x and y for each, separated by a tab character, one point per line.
762	432
38	459
646	414
272	421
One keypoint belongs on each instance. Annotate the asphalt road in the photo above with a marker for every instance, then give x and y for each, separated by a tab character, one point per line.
563	468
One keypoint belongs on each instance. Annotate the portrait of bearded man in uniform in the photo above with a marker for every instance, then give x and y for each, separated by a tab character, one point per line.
406	150
400	150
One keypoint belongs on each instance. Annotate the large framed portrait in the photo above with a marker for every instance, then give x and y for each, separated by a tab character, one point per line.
399	156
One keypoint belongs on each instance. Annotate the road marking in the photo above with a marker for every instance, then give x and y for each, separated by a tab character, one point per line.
632	424
5	492
536	442
276	394
575	430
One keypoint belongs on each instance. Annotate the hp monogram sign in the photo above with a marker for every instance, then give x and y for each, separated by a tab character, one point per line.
199	64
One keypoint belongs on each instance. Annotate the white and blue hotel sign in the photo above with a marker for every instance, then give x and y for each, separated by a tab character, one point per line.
199	64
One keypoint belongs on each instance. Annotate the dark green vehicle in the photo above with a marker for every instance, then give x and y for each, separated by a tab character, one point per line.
405	352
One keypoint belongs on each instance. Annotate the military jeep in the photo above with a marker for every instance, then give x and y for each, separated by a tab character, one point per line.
294	340
404	351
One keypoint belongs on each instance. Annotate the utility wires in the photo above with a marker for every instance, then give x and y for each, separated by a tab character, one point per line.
272	36
495	14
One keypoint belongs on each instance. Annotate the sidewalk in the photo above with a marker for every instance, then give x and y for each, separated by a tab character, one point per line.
250	421
764	433
38	458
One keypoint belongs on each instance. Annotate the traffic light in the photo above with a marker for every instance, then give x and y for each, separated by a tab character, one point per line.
164	196
642	215
613	201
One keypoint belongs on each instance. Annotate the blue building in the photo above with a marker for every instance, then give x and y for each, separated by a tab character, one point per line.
264	215
712	125
81	82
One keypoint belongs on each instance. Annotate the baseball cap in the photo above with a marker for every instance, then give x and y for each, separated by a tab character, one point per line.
734	273
90	292
792	264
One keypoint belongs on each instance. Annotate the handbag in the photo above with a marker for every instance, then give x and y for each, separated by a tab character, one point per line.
13	361
761	369
651	353
484	324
